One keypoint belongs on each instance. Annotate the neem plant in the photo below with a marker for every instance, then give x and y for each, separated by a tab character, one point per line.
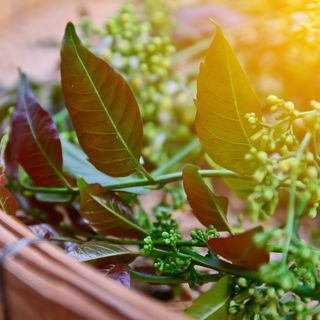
142	53
256	157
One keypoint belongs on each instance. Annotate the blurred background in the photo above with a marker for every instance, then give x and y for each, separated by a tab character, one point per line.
31	31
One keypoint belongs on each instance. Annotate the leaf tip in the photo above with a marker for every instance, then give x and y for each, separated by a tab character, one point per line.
23	77
216	24
70	27
70	32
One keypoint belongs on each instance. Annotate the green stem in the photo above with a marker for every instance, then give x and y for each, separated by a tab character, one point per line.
289	231
143	170
179	243
194	144
139	276
160	180
222	266
290	222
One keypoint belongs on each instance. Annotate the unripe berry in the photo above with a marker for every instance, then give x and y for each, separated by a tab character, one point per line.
273	100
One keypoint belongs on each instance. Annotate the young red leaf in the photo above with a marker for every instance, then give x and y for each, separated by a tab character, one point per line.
106	213
241	249
118	272
207	207
102	107
35	139
99	253
8	202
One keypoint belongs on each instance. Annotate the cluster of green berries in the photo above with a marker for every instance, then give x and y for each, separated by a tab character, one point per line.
268	237
164	231
202	236
165	228
254	301
278	273
264	197
143	56
305	262
275	156
171	266
279	136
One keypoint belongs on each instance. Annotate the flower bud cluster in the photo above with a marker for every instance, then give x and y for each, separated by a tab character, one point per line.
202	236
274	154
165	228
255	301
171	266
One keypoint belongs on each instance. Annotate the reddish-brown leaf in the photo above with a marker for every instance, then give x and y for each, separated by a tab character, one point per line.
102	107
7	201
118	272
241	249
207	207
106	213
35	139
100	253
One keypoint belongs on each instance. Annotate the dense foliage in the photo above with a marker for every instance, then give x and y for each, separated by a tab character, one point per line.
127	135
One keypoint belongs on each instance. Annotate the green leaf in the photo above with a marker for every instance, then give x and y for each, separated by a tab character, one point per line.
102	107
76	165
213	304
99	253
207	207
106	213
241	249
224	97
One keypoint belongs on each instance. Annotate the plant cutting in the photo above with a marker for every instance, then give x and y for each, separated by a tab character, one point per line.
97	171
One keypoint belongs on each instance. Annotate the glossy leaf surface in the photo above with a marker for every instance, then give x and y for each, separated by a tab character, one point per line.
106	213
35	139
100	253
241	249
207	207
102	107
224	97
213	304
